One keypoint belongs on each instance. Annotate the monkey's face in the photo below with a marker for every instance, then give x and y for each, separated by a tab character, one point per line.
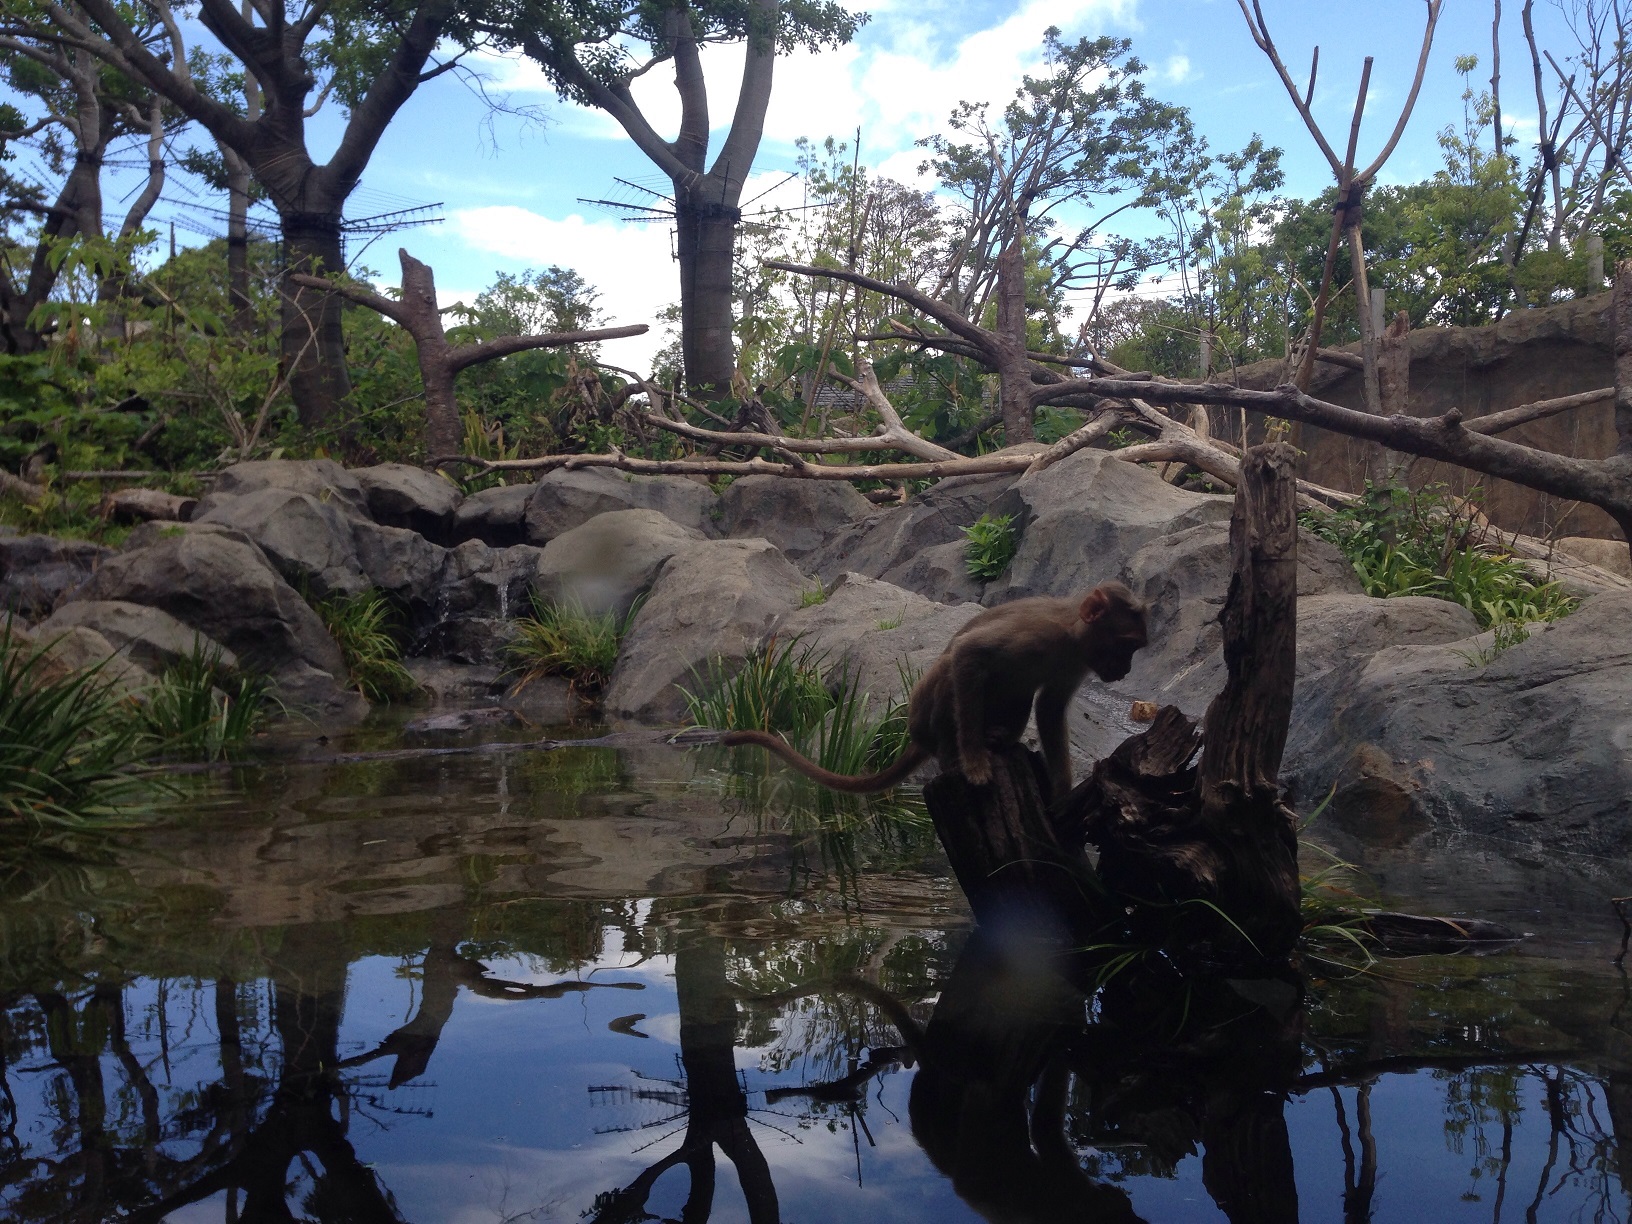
1116	633
1115	658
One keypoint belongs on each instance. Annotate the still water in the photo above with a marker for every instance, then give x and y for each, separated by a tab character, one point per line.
624	985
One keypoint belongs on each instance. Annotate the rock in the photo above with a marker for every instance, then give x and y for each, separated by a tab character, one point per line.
479	592
308	540
888	540
1611	555
149	637
548	701
939	573
408	568
223	587
608	562
797	516
879	632
567	499
77	649
402	496
316	694
496	516
456	721
716	600
1534	746
1081	521
455	684
37	572
320	478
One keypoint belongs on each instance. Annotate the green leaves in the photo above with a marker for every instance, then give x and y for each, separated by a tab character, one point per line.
990	546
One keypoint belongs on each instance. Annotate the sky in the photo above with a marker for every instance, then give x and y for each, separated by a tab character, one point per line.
509	188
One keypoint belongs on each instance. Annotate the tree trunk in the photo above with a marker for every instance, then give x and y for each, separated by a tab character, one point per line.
1014	381
1622	317
313	344
707	246
243	312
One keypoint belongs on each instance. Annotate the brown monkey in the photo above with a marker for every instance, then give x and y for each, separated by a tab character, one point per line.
979	693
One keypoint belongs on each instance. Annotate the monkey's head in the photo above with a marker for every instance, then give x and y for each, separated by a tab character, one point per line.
1115	623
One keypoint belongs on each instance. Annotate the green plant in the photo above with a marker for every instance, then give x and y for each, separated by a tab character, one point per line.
202	708
1429	543
69	750
1503	636
778	687
893	622
990	546
566	639
360	625
815	595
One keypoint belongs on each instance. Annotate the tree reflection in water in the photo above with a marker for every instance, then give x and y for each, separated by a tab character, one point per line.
1032	1101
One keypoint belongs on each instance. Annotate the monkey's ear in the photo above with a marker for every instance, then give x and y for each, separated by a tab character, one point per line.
1094	605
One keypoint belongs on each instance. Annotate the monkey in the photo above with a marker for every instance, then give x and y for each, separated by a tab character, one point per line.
979	694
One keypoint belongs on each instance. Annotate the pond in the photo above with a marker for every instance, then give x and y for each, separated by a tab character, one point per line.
633	984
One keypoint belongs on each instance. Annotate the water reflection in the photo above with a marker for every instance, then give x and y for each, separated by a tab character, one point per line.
483	1012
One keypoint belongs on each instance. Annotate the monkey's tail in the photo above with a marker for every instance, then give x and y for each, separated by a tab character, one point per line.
855	784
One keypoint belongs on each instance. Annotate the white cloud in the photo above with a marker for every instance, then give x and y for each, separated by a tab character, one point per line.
630	264
1177	69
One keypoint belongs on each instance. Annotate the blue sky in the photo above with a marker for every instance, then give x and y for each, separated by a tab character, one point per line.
510	187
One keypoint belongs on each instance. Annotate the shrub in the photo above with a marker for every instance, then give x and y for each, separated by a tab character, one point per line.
566	639
990	546
1428	543
69	750
360	625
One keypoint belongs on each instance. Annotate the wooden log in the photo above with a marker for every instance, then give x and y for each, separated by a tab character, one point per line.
148	505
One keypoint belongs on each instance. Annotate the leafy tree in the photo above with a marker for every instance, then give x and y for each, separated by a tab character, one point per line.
367	55
588	50
1072	142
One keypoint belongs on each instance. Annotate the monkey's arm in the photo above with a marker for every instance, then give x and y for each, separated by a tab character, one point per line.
970	663
1052	703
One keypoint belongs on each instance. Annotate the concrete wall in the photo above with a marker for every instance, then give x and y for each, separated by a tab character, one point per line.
1530	355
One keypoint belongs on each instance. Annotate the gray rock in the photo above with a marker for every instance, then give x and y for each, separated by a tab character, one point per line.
496	516
403	496
323	479
608	562
225	588
308	540
888	540
1534	747
149	637
797	516
455	684
939	573
479	592
879	633
407	567
1611	555
548	701
315	694
567	499
716	600
38	572
1081	521
76	648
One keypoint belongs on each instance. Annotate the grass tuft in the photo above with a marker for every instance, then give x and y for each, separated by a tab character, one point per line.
203	710
361	626
565	639
989	547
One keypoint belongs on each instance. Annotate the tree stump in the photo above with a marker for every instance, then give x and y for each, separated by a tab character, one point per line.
1202	855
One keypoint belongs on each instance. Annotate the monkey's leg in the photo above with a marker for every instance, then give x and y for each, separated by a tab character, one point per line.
1051	730
969	668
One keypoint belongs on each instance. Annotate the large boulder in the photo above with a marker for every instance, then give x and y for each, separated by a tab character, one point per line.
567	499
400	495
323	479
37	572
716	600
884	636
408	568
307	538
74	648
887	543
224	587
940	573
1530	745
496	516
796	515
149	637
607	563
1082	520
1611	555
